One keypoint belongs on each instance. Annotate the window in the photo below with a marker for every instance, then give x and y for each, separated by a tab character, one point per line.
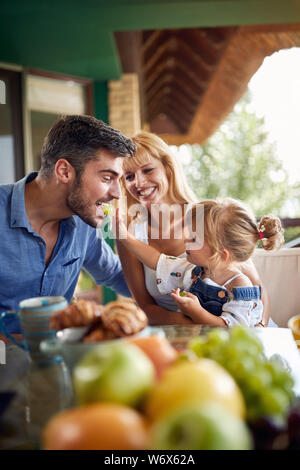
47	100
11	127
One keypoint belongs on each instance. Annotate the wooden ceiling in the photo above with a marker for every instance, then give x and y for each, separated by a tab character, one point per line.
191	78
178	66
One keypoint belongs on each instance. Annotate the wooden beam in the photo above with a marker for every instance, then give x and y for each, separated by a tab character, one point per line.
198	40
169	45
177	92
159	40
165	100
184	116
176	76
176	66
151	39
272	28
185	49
150	77
181	55
159	85
175	117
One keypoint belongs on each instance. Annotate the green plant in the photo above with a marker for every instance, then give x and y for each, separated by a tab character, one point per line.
240	161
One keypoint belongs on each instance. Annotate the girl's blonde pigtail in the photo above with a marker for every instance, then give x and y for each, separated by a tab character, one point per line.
270	231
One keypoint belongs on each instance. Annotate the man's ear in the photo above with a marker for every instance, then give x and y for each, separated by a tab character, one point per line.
64	171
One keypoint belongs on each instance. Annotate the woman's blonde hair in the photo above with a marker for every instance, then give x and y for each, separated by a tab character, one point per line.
229	224
150	145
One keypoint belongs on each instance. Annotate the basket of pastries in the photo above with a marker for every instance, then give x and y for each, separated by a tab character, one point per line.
83	324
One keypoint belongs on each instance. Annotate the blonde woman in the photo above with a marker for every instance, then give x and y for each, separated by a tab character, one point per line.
208	285
154	179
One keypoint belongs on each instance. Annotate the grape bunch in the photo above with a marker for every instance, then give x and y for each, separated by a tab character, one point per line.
266	384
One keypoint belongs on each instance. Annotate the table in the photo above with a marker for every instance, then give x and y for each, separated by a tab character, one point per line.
277	341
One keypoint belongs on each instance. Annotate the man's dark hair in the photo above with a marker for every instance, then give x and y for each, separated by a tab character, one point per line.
77	139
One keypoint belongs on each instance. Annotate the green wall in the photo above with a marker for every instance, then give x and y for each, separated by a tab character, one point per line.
101	112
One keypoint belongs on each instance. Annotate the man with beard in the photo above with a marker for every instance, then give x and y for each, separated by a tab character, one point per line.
49	218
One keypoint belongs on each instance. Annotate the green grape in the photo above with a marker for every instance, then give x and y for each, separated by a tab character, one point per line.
252	412
231	353
187	355
280	373
246	367
246	339
218	336
197	345
217	355
263	377
266	385
274	401
281	377
281	361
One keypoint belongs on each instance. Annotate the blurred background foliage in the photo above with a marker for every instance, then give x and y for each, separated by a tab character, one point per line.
241	161
291	233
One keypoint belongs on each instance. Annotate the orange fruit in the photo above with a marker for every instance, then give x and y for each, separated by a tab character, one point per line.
99	426
159	350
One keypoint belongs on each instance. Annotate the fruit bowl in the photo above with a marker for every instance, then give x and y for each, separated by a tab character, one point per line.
68	343
180	335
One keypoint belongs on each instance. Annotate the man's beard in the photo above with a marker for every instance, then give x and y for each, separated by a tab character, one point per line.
78	206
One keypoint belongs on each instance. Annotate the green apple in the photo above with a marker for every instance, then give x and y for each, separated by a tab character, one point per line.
209	426
118	373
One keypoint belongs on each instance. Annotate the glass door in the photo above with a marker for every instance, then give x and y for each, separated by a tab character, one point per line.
11	127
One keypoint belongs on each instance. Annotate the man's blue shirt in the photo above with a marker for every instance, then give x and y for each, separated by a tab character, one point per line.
23	272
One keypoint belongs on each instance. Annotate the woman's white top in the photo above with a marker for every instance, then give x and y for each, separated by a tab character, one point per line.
163	300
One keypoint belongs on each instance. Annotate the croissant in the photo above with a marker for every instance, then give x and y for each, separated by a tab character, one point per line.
123	318
80	313
98	333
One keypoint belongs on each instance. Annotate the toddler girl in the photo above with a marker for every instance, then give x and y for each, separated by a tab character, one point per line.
208	285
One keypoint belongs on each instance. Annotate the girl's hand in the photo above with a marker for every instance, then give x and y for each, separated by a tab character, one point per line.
118	226
187	302
190	306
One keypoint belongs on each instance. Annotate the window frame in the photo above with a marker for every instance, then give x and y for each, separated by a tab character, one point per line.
14	77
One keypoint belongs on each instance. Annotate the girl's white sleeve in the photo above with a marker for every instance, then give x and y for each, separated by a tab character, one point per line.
172	272
242	312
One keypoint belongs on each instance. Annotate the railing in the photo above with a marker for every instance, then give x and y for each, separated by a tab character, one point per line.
288	222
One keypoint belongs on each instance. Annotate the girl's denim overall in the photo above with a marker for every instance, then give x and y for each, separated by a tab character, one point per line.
212	298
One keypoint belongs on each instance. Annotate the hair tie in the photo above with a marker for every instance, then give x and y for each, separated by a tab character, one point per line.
261	235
